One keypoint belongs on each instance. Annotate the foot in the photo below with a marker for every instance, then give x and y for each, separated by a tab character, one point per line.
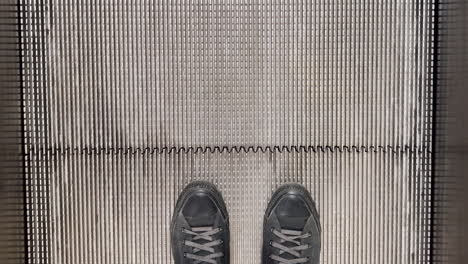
291	232
200	226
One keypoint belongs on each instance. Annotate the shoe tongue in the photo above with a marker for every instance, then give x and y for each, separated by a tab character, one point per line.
286	255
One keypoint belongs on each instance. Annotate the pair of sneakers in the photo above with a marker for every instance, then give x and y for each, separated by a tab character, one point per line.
200	227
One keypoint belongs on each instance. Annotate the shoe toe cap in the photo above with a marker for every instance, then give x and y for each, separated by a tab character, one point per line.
292	212
199	204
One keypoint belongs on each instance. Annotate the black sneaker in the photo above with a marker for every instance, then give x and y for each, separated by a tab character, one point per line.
291	231
200	226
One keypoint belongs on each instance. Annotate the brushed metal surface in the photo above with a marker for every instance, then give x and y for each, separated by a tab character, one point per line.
117	209
128	101
12	197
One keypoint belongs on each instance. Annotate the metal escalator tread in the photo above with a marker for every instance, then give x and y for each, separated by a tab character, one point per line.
127	102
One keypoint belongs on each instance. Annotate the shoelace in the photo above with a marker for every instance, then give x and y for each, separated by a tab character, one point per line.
203	234
293	237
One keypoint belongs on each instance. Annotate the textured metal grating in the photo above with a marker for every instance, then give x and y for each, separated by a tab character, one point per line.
126	101
12	210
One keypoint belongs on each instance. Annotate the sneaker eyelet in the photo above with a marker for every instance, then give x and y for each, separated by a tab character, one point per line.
271	243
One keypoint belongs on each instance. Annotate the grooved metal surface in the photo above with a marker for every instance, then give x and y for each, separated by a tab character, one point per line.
128	101
12	210
114	208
